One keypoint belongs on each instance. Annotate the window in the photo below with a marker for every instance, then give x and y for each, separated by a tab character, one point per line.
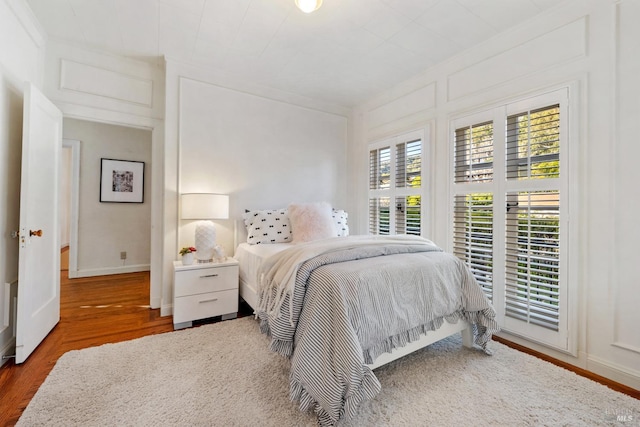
509	219
395	185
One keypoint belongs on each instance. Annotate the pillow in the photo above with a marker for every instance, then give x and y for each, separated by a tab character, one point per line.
267	226
311	221
340	222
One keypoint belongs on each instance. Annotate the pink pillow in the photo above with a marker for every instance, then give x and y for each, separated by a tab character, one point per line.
311	221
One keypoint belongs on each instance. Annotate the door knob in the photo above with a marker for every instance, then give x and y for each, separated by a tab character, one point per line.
37	233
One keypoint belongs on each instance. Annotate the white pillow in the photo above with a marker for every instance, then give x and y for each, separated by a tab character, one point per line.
267	226
340	218
311	221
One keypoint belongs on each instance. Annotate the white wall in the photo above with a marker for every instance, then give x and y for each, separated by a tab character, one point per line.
106	229
590	47
263	148
265	154
21	58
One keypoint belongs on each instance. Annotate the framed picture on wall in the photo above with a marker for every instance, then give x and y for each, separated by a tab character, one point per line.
121	181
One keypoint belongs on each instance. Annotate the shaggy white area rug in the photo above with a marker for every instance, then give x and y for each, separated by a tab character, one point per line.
224	375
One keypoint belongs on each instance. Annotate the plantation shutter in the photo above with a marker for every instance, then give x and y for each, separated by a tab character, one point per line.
533	257
395	185
379	168
533	262
473	161
472	207
379	215
473	236
510	214
408	219
533	144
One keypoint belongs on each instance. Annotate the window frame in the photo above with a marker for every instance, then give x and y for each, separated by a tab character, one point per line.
566	341
394	191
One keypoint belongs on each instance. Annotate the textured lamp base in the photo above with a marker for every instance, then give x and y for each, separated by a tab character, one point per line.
205	241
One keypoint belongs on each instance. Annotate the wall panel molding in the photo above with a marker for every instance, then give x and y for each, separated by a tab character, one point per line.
614	371
560	45
625	66
419	100
89	79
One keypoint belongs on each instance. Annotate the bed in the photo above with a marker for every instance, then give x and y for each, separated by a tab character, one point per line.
341	306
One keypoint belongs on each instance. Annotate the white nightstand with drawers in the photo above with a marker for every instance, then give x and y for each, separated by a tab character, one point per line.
204	290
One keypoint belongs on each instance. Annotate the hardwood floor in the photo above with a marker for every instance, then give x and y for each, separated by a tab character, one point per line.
582	372
93	311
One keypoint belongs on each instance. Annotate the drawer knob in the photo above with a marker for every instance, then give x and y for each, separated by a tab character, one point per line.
209	300
208	275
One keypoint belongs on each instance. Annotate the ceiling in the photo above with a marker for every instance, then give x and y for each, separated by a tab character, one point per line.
344	53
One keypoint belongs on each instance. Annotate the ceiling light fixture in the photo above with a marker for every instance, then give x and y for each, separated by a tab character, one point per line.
308	6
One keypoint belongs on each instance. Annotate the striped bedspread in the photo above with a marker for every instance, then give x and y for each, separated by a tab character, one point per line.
352	302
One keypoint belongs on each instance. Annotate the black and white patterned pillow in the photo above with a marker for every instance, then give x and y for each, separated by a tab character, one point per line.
267	226
340	220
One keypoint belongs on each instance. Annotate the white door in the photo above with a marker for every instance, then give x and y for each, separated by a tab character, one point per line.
38	308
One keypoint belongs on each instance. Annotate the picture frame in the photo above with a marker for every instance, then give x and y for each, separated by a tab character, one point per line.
121	181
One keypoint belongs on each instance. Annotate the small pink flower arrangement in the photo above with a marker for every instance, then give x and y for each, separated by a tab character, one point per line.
187	250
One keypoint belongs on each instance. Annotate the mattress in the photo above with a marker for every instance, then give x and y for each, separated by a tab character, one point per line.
250	258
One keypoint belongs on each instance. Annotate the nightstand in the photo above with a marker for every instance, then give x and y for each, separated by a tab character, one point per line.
204	290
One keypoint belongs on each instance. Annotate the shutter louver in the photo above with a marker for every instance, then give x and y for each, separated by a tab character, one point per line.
408	216
473	154
379	221
408	164
379	168
533	144
401	165
473	236
533	257
373	169
374	216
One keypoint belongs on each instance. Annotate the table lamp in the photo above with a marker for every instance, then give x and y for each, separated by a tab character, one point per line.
204	207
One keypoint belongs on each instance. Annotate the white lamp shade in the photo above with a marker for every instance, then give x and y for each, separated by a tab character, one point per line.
204	206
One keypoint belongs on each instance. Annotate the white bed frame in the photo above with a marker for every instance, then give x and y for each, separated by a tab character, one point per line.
447	329
249	293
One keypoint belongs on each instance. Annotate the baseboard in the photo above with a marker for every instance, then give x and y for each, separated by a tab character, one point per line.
576	360
166	310
622	383
620	374
156	302
109	270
